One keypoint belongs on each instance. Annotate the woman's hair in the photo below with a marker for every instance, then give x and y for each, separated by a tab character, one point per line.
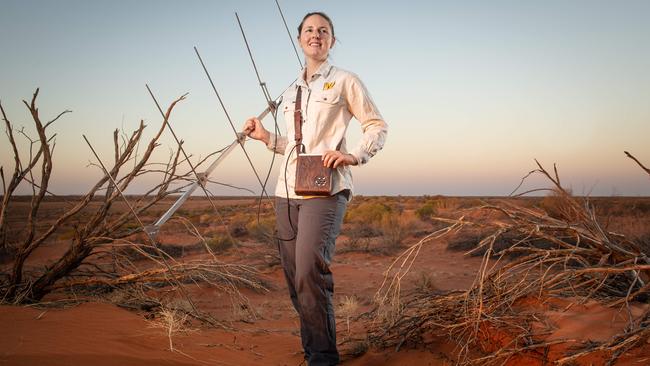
316	13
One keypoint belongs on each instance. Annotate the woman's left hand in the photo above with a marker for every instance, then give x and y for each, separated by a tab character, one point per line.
334	159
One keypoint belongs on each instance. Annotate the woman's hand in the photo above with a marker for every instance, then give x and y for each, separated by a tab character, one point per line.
334	159
254	129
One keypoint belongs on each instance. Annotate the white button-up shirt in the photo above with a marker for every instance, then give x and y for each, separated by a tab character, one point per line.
329	101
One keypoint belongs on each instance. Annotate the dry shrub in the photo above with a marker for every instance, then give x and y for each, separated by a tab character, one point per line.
172	322
263	230
395	228
424	282
348	308
95	261
557	206
221	243
582	261
357	241
238	224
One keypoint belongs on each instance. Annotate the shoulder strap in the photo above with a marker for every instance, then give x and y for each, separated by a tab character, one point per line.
297	120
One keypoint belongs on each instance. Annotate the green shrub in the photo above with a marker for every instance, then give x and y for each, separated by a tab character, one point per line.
221	243
425	211
367	213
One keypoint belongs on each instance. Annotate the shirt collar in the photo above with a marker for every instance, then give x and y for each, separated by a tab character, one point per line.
323	70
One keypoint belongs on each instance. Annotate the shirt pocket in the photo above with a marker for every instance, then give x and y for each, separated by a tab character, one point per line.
287	108
288	105
328	99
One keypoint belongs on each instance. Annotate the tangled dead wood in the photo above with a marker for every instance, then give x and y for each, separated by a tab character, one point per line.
569	255
96	256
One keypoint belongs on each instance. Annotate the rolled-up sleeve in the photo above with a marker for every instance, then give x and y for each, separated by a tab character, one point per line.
277	143
373	125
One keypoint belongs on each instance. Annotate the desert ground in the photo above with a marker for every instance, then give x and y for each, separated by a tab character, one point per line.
97	315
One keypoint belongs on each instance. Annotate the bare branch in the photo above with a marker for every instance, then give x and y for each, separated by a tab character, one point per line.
57	117
637	161
4	185
539	255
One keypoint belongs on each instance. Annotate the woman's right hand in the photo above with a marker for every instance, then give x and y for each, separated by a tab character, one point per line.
254	129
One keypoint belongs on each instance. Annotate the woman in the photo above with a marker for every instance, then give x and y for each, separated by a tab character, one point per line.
307	227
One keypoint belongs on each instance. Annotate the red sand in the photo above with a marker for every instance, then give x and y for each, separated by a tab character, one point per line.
102	334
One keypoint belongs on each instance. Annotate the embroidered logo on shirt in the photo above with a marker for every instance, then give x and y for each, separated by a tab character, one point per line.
328	86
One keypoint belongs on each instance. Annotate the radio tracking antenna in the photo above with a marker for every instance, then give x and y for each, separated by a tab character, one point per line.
289	33
265	90
270	108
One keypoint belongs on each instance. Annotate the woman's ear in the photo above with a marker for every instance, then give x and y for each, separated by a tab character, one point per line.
333	41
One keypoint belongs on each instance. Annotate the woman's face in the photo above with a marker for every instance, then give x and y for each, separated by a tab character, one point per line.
316	38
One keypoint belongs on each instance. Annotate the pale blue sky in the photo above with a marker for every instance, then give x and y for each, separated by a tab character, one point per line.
473	91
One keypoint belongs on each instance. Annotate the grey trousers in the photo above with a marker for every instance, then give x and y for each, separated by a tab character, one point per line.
306	259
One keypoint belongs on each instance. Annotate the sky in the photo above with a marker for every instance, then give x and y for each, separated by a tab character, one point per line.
473	91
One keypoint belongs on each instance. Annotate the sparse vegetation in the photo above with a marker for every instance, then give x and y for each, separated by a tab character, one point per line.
262	231
566	254
395	228
426	211
348	308
221	243
238	225
367	213
104	246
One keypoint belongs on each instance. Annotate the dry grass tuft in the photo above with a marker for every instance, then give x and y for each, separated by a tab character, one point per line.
348	309
172	322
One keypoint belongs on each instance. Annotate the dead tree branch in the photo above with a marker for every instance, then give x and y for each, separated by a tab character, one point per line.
540	255
637	161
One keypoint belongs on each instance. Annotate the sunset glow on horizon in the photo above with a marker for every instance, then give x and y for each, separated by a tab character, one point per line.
473	93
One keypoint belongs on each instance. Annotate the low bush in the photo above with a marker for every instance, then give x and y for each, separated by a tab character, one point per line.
395	228
238	225
367	213
221	243
263	230
425	211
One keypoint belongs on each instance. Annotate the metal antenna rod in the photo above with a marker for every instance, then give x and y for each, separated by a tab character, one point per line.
187	158
272	102
267	96
225	111
153	242
250	54
179	142
151	239
289	33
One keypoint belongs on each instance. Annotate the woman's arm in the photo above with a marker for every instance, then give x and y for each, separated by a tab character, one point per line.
373	125
254	129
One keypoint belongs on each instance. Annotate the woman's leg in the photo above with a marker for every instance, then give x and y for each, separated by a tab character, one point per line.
319	223
287	226
305	260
